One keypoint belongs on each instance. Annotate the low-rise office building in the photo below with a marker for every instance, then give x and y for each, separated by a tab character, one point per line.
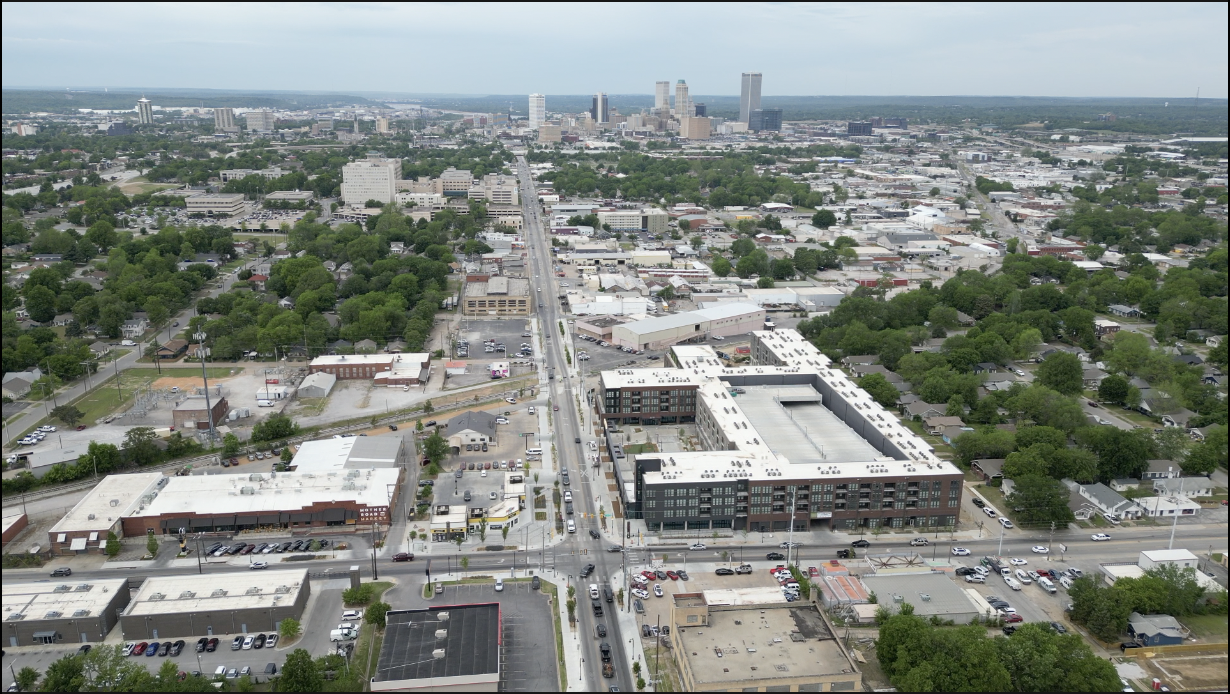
61	610
238	602
487	295
650	219
215	203
84	528
329	456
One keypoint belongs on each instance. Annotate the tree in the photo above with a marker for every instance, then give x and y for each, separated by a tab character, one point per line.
666	293
1062	372
1208	455
435	448
230	446
41	304
764	283
277	426
68	414
375	613
823	219
289	629
880	389
1040	500
300	674
1039	660
65	675
151	544
113	545
742	247
721	266
1113	389
27	677
139	446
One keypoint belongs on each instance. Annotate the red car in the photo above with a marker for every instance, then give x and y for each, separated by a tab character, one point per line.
139	649
649	575
672	575
247	550
403	556
813	571
80	427
1013	618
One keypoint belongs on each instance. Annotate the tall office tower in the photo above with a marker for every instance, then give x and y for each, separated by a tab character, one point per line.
382	124
662	95
538	110
373	178
145	111
224	119
749	96
683	104
699	109
599	112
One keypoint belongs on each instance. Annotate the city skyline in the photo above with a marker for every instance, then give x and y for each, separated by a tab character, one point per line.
55	46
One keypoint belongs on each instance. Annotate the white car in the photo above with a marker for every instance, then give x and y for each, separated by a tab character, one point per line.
1023	577
259	565
975	578
696	547
1039	549
567	496
641	593
657	589
1099	537
960	552
511	401
47	428
1017	562
499	585
1005	522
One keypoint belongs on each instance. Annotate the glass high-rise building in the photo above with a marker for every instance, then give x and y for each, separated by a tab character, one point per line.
538	110
765	119
749	96
599	110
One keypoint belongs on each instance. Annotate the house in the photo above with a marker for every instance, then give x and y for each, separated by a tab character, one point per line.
1162	469
988	468
18	383
342	347
1183	486
950	433
986	367
1122	484
134	328
860	359
1103	327
61	320
172	349
1161	506
1109	501
1178	418
935	425
395	347
100	349
1123	311
1189	359
365	347
965	319
922	410
1093	377
1213	341
258	282
1155	629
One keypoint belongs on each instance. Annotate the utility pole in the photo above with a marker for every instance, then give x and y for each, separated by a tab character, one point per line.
200	339
1050	541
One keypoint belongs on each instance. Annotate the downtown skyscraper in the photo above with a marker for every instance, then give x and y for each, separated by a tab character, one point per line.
599	110
749	96
538	110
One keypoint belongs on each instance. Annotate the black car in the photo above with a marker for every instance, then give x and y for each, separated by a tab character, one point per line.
589	569
427	483
683	575
601	629
177	647
164	649
860	543
1059	628
62	571
775	556
661	575
979	502
85	648
214	548
1128	644
259	641
844	554
725	572
964	571
535	583
284	546
1009	629
594	534
392	427
201	644
324	543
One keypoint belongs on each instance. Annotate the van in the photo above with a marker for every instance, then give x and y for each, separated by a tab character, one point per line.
1066	582
264	403
533	451
343	635
220	672
1045	584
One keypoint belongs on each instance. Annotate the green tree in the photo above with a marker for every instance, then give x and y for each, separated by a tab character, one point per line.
289	629
230	446
435	448
880	389
151	544
41	304
1040	500
65	675
27	677
139	446
1113	389
278	426
1062	372
300	674
666	293
823	219
375	613
113	545
721	266
1208	455
68	414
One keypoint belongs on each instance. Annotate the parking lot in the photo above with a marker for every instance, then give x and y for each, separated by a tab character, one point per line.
529	658
508	332
702	576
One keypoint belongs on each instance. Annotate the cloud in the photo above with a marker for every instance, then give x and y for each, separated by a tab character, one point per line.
802	49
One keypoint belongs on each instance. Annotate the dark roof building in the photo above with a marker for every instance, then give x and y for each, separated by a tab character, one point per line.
447	647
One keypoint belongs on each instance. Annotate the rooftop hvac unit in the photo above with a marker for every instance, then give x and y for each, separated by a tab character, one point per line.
442	616
441	633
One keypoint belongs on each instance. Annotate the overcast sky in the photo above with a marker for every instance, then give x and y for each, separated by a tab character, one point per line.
1125	49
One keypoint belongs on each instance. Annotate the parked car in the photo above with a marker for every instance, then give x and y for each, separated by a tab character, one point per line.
725	572
403	556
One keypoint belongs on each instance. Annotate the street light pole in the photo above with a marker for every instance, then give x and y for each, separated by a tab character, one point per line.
200	340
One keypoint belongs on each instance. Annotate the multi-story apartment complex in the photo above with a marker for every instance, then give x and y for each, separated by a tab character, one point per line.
650	219
769	119
224	119
236	174
788	440
215	203
550	133
538	110
496	188
374	178
694	128
749	96
145	111
262	120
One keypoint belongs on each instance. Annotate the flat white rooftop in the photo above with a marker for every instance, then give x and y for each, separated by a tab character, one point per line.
114	497
796	425
270	492
67	597
239	590
359	359
333	455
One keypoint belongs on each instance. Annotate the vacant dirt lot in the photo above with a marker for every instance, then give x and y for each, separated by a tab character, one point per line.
1190	672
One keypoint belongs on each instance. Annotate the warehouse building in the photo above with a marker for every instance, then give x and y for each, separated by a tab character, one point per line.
663	331
241	602
383	369
446	648
62	610
930	594
487	295
101	511
350	453
795	649
786	441
192	412
317	385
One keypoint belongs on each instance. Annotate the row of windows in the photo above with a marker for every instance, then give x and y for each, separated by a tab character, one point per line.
493	303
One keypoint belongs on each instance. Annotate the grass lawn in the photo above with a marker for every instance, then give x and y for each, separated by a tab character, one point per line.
641	448
1210	627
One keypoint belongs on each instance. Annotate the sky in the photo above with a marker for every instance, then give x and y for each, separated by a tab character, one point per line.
917	49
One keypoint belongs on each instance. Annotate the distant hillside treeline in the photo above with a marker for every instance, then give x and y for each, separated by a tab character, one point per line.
22	101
